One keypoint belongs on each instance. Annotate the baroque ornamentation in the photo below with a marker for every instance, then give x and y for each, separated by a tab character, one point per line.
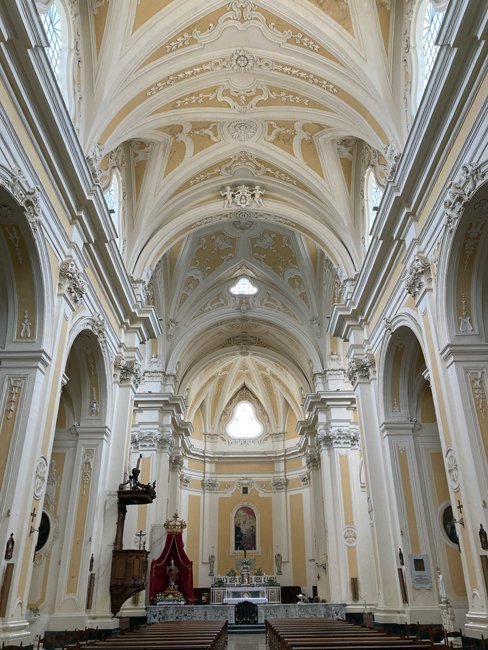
452	469
177	462
28	197
93	159
87	468
71	282
305	479
392	157
97	325
210	484
279	483
242	196
350	536
465	325
338	437
242	130
127	371
40	477
419	276
478	388
185	480
312	459
460	191
361	369
14	389
151	440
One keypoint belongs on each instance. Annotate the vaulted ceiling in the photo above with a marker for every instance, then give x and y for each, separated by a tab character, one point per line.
191	97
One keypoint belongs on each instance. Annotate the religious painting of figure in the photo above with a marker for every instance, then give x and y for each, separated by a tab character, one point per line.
245	529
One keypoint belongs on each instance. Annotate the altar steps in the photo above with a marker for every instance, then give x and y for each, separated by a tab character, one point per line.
241	628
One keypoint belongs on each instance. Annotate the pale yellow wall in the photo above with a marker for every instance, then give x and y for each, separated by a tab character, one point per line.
297	535
264	558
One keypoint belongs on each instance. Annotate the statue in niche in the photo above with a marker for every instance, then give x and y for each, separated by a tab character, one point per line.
211	564
9	549
278	561
441	586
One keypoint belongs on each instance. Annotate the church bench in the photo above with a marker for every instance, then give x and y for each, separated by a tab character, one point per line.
171	635
306	634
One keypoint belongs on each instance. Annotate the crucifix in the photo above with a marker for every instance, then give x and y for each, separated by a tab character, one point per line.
140	535
460	510
33	515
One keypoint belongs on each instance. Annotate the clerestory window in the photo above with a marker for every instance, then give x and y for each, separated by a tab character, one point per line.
244	423
432	24
51	21
243	287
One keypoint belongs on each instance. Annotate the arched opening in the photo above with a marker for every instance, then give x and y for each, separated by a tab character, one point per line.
428	532
67	534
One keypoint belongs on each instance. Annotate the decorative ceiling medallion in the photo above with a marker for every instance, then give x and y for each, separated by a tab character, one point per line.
242	61
242	130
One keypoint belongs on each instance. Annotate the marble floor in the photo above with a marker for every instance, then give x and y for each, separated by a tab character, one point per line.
246	642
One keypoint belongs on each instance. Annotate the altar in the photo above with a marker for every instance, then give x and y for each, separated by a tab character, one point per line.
253	594
230	590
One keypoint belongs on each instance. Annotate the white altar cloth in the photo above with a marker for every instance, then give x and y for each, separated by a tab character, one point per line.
234	601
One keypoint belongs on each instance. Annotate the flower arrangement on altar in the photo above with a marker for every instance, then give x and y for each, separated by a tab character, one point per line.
168	597
231	573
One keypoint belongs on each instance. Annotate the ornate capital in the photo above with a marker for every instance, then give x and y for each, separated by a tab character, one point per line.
305	479
185	480
419	276
460	191
127	372
361	369
151	441
312	460
279	483
71	282
210	484
347	438
177	462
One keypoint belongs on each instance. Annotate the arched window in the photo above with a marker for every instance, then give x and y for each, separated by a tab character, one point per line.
373	193
113	200
428	20
244	423
51	21
432	24
243	287
61	51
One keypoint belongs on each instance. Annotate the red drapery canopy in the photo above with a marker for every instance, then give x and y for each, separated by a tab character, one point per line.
173	550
